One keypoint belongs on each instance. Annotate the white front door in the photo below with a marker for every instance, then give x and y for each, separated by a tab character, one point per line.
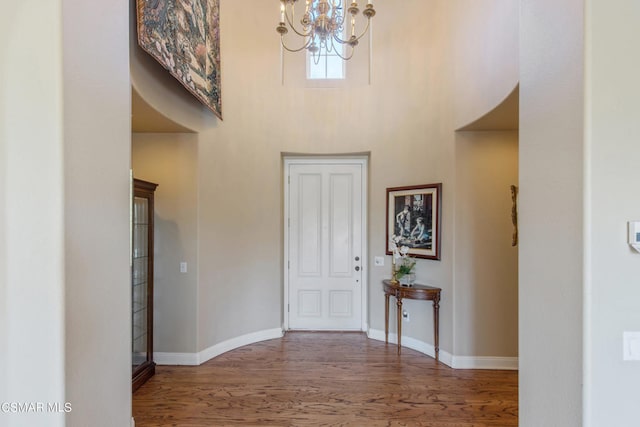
325	259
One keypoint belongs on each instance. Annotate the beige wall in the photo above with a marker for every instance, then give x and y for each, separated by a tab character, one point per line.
404	119
486	265
578	277
612	287
263	119
551	212
485	45
171	160
97	140
32	283
65	114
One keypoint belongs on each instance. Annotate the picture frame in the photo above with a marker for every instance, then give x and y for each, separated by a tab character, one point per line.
414	212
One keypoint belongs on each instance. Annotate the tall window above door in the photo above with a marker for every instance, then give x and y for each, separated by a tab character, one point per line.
335	48
325	67
327	64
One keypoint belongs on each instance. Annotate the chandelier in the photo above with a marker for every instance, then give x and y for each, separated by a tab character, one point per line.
322	26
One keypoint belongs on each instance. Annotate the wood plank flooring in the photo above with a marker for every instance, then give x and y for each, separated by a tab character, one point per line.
319	378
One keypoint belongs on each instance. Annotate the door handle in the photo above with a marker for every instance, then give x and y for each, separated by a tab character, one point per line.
357	268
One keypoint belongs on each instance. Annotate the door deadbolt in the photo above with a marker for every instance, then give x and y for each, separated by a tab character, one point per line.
357	258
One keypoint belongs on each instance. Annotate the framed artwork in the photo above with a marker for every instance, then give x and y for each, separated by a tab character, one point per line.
184	37
413	214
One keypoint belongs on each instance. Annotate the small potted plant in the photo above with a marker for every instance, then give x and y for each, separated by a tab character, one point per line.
405	274
403	264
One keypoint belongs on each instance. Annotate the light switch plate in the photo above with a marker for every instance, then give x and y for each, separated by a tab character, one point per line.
631	345
379	261
183	267
634	235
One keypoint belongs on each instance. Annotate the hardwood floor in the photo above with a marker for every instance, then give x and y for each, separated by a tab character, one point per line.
319	378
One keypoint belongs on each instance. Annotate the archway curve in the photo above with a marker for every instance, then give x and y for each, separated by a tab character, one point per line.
145	118
504	116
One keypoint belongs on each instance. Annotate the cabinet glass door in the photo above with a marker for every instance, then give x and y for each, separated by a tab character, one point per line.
143	366
140	285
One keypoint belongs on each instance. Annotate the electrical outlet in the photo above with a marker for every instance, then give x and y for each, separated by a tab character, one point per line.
405	316
379	261
183	267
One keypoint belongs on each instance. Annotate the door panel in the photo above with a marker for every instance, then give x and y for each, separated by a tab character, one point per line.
325	244
340	303
310	230
340	223
309	303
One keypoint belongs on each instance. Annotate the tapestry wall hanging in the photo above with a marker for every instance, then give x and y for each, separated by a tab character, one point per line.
184	36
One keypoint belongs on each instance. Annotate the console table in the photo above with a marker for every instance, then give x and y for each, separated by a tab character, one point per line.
418	292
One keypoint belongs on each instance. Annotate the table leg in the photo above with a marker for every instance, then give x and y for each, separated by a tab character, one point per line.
386	318
399	322
436	326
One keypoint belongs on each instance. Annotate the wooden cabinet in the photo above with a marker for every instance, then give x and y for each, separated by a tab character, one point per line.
142	282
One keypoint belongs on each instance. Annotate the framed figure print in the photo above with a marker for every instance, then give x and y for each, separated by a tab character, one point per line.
413	214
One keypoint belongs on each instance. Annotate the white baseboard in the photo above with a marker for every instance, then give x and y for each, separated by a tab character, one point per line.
484	362
455	362
190	359
237	342
193	359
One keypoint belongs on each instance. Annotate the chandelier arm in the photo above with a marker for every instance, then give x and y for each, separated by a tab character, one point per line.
346	57
338	39
316	58
295	30
337	51
366	30
304	46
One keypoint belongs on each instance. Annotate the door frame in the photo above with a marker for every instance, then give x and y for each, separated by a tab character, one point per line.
363	161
